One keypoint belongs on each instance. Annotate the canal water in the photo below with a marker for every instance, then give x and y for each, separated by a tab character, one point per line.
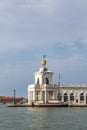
54	118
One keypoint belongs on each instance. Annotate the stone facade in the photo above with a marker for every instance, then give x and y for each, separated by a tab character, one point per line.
74	94
44	91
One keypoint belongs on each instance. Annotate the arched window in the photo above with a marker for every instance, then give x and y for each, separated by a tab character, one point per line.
71	97
65	97
81	97
59	96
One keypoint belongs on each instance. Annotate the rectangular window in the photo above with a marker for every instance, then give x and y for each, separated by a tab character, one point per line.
47	80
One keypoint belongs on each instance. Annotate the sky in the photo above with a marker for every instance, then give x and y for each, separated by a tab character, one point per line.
31	28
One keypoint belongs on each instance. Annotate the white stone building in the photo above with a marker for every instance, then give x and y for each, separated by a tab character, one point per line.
44	91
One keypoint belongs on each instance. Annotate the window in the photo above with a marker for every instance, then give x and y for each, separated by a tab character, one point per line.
50	95
45	69
47	80
38	81
65	97
71	97
81	97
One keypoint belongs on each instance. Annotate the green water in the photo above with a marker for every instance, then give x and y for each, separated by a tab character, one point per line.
43	118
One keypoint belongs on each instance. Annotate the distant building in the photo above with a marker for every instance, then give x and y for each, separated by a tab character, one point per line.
5	99
44	91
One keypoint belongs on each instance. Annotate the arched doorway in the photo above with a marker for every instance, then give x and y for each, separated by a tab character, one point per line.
81	97
71	97
65	97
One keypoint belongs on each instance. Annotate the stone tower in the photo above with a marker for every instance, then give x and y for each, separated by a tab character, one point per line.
43	76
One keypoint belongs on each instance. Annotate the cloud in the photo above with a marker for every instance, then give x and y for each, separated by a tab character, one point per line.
31	24
72	69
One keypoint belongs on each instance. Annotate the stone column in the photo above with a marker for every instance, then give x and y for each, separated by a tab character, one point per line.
54	95
76	97
84	98
40	95
62	94
45	96
68	94
34	97
29	97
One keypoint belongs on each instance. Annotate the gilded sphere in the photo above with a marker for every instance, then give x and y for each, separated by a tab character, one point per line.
43	62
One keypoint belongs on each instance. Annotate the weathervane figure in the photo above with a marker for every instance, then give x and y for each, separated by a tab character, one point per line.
44	56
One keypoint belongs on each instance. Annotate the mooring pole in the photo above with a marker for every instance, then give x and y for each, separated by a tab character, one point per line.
59	87
14	96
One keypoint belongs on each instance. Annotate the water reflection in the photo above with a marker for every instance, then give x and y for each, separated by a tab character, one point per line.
57	118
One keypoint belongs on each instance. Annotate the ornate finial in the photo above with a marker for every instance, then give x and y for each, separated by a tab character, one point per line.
59	79
43	62
44	56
